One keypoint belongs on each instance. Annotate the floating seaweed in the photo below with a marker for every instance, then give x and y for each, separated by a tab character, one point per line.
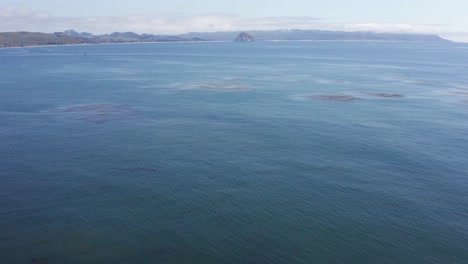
334	97
386	95
97	113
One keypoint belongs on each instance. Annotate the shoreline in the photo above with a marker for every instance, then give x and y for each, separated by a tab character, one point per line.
223	41
118	43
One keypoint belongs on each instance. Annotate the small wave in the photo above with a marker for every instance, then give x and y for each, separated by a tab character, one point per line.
136	169
328	81
460	85
97	113
459	93
207	86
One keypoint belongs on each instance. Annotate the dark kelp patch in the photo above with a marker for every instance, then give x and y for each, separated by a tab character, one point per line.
333	97
385	95
39	260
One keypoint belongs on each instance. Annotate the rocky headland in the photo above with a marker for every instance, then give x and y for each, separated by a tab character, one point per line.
244	37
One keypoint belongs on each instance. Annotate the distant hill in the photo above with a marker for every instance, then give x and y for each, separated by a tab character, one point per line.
73	33
18	39
23	39
317	35
244	37
123	37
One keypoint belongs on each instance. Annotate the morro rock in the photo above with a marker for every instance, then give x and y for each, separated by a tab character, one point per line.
244	37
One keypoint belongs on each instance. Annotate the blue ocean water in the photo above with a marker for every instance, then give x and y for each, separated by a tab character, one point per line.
268	152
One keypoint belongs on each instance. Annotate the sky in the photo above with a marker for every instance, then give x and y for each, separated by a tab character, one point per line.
447	18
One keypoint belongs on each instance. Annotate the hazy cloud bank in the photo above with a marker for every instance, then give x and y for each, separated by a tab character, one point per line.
21	18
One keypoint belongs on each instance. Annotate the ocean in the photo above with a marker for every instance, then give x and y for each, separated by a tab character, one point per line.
212	152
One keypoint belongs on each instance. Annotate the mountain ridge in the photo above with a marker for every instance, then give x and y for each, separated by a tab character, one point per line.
23	38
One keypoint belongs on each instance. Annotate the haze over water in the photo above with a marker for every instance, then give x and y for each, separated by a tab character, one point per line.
268	152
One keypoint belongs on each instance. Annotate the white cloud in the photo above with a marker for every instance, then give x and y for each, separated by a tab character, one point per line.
385	27
21	18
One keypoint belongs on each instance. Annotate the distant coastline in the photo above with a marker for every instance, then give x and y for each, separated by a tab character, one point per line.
116	43
206	41
71	37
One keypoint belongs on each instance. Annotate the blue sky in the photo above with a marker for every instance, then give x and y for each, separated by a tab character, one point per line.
444	17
